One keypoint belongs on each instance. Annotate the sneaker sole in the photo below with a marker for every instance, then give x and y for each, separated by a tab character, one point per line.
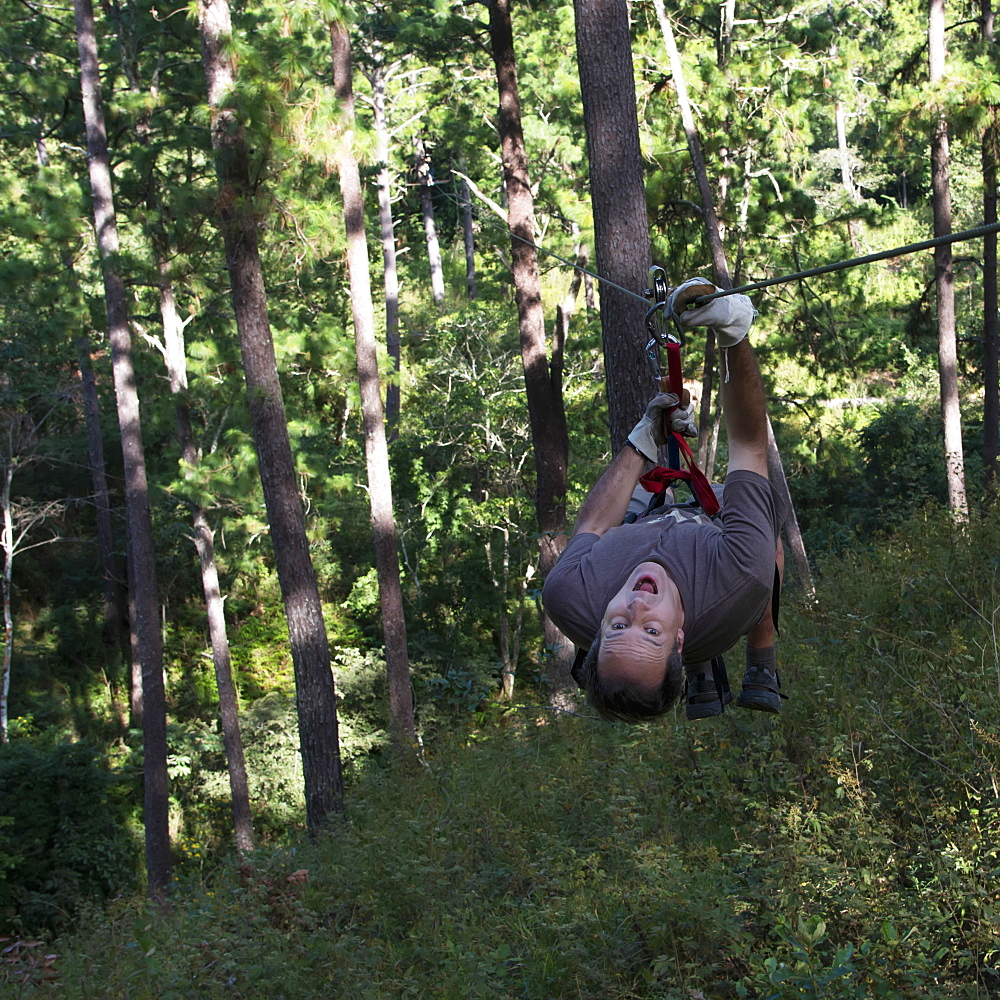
708	709
760	701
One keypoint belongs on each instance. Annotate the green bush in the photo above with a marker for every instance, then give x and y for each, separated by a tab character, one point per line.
63	832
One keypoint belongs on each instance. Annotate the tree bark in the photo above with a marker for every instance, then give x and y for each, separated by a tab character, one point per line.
542	381
844	154
469	238
391	273
425	178
951	415
397	661
315	697
7	545
991	337
621	229
115	631
141	557
204	543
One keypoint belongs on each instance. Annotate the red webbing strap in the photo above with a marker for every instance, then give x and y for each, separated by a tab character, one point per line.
659	478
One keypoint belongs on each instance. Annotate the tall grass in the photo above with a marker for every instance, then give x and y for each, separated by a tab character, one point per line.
848	848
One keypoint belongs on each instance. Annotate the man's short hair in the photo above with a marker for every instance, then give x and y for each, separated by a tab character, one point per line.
620	701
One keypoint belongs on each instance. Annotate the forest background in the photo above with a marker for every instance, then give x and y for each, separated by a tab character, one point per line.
508	847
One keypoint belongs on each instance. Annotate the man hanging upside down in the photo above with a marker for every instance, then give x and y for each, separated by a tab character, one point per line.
658	598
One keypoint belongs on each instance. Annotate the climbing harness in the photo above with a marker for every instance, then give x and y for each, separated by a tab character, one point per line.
665	332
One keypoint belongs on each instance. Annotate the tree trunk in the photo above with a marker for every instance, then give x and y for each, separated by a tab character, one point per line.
991	339
376	452
204	543
115	631
722	278
391	274
844	153
468	235
8	569
713	236
425	179
944	278
315	697
142	566
566	308
542	382
776	473
727	14
621	229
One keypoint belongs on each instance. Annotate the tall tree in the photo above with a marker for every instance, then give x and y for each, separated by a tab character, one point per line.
171	347
621	233
542	377
376	451
720	270
141	556
238	211
991	336
425	180
379	74
944	281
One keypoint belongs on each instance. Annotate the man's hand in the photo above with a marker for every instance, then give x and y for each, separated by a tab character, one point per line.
650	433
682	421
730	317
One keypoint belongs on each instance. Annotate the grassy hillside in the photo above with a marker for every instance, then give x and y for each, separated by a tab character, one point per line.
848	848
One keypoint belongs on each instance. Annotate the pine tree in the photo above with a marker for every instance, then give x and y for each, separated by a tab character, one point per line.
141	557
376	451
621	229
315	697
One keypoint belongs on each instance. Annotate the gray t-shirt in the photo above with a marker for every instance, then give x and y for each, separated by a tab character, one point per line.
723	568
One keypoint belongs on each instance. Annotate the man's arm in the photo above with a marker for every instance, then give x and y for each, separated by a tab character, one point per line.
744	408
607	502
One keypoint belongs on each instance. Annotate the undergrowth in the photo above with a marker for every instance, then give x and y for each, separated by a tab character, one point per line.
848	848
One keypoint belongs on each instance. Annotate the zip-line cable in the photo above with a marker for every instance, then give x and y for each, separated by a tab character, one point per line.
966	234
871	258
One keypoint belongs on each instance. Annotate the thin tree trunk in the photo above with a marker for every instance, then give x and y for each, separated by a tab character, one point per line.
469	236
232	740
566	308
8	569
713	236
727	11
115	632
943	276
722	278
991	338
776	473
846	175
397	661
542	381
618	199
314	689
391	273
425	179
142	566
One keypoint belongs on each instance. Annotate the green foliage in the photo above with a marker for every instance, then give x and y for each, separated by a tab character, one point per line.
64	837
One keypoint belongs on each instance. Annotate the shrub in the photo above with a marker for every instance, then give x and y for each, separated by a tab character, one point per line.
63	832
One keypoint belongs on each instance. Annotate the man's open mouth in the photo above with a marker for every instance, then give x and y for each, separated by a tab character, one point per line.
646	584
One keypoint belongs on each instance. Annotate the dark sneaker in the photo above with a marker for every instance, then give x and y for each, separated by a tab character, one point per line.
703	700
760	689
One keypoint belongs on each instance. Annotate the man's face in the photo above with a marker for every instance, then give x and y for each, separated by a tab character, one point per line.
640	626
